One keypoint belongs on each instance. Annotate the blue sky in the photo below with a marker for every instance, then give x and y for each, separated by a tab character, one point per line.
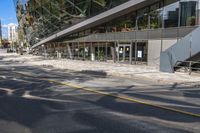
7	14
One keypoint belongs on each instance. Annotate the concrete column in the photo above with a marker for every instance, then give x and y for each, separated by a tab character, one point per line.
54	45
84	51
113	52
117	47
52	50
57	51
60	50
45	50
66	53
98	51
78	50
41	50
92	52
153	58
106	51
131	52
136	50
69	51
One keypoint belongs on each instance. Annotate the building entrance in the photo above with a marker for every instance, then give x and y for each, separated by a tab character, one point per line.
124	53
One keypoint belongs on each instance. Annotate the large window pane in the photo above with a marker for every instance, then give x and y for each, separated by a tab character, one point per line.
155	16
188	13
142	18
170	16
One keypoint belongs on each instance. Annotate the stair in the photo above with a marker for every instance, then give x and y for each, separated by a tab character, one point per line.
187	49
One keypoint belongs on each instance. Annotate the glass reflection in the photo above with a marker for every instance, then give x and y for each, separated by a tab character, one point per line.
188	13
155	16
142	17
41	18
170	16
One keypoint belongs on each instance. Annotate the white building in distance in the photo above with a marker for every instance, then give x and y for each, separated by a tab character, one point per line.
12	33
0	33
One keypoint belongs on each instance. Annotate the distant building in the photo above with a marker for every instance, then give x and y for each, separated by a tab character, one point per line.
0	33
12	33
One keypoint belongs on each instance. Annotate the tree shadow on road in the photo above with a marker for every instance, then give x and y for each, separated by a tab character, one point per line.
137	109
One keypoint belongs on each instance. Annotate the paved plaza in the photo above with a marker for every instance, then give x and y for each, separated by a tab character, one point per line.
115	69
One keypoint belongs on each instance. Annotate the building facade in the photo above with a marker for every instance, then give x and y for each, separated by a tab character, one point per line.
123	31
0	33
12	33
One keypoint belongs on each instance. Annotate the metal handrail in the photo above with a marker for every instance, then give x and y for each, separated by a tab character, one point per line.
188	67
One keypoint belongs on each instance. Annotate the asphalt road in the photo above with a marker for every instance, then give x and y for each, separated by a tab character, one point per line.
33	105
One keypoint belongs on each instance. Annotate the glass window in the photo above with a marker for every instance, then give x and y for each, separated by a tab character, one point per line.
142	18
170	16
188	13
125	23
155	16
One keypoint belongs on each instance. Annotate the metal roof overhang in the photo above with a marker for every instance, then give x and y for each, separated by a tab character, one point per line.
99	19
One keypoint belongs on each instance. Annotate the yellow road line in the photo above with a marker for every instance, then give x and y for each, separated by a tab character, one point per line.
116	96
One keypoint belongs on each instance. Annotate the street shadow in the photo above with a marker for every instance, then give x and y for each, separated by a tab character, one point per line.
26	111
188	89
137	109
100	74
105	123
57	74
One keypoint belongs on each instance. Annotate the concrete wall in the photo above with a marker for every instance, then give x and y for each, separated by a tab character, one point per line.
154	49
168	43
183	50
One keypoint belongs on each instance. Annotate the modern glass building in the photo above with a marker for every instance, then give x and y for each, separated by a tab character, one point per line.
123	31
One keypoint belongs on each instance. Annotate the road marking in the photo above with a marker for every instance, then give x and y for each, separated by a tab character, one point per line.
9	92
27	95
126	98
3	77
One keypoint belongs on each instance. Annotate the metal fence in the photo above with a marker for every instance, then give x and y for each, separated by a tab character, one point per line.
188	66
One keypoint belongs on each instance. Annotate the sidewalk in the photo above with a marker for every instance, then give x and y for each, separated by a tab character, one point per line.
122	70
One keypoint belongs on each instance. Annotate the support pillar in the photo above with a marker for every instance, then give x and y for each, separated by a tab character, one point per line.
131	52
69	51
136	52
60	51
98	52
117	46
92	52
57	51
45	51
113	52
78	44
106	51
54	45
84	51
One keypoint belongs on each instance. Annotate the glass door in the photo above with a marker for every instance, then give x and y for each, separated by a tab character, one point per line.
121	54
127	51
124	53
